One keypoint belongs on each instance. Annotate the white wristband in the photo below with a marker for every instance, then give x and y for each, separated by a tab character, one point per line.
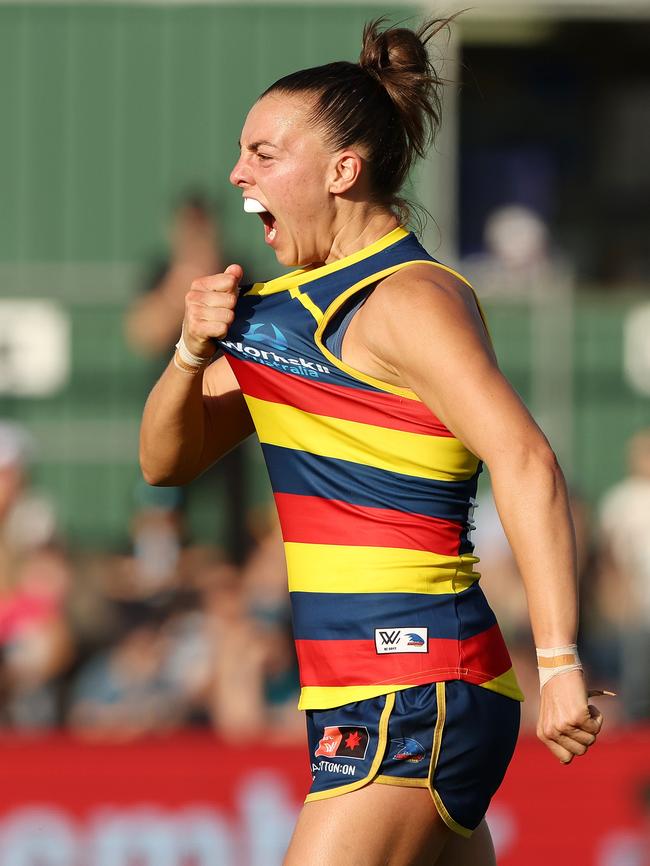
552	661
188	358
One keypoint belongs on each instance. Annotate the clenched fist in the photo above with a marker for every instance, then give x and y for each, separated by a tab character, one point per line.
568	724
210	310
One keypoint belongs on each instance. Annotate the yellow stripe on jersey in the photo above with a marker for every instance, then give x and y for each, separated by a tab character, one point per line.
307	302
505	684
415	454
326	697
342	568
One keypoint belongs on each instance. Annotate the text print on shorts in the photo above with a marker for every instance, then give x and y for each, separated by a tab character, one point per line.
330	767
344	741
401	640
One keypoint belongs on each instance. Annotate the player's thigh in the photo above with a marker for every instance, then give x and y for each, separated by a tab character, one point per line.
372	826
478	850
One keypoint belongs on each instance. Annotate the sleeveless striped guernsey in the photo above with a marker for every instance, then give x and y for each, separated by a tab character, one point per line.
374	496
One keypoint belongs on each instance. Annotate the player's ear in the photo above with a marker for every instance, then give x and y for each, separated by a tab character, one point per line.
345	171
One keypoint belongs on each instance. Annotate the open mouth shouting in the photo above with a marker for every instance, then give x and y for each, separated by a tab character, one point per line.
252	205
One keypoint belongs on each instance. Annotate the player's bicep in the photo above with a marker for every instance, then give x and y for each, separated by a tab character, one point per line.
227	421
478	405
437	342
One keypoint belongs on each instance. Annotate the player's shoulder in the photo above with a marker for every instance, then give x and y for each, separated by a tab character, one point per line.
421	289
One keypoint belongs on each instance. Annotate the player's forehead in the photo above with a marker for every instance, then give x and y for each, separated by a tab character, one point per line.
277	120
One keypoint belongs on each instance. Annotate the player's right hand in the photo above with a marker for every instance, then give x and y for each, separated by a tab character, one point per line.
568	724
210	310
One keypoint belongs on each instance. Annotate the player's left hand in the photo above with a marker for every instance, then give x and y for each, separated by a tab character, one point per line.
568	724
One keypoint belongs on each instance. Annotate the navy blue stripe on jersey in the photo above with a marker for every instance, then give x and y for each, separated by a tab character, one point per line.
306	474
455	616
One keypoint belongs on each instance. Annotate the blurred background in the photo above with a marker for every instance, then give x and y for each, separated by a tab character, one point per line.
129	613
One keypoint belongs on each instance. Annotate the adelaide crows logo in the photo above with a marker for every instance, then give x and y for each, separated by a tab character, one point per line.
278	340
409	750
402	640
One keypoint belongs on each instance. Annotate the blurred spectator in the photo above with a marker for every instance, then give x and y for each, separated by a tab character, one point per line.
624	530
124	691
37	644
153	326
518	257
256	684
161	561
27	520
157	536
154	319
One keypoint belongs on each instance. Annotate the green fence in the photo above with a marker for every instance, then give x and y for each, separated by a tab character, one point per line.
108	114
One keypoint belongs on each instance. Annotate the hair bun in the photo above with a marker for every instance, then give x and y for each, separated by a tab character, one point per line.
394	50
398	59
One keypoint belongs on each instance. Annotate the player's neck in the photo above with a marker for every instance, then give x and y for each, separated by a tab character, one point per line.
359	231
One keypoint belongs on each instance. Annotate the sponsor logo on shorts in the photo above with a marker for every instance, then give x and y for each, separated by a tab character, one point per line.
331	767
401	640
344	741
408	749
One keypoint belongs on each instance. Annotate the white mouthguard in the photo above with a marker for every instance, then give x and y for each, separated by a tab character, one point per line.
252	205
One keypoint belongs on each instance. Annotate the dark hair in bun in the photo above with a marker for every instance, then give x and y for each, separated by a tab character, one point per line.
389	103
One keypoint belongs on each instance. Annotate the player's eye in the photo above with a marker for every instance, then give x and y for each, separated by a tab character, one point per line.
263	156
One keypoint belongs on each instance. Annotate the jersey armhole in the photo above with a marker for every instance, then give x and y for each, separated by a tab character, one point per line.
340	303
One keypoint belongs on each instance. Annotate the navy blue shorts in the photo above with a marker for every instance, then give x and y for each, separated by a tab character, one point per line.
454	738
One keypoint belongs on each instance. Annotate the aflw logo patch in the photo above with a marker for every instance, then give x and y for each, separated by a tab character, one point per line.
401	640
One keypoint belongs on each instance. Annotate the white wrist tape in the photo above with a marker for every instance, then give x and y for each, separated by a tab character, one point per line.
188	358
552	661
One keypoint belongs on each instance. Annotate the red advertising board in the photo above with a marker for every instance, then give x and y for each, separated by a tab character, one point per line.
190	800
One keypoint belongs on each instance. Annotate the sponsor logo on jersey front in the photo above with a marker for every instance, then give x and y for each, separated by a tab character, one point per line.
344	741
277	339
266	333
401	640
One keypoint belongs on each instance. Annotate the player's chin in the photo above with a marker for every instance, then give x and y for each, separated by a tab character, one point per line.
287	257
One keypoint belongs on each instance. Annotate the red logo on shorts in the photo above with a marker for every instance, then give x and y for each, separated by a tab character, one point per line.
345	741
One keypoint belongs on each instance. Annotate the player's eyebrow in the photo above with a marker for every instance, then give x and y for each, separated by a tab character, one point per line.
257	144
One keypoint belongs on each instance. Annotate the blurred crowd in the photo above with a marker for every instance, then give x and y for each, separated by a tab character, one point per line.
164	634
171	633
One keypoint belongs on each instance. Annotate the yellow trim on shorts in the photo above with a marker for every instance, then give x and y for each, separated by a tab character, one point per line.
446	817
401	781
435	754
379	757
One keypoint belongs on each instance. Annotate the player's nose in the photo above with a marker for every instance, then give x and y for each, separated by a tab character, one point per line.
240	174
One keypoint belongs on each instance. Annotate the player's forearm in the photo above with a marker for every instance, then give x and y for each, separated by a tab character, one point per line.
531	497
173	428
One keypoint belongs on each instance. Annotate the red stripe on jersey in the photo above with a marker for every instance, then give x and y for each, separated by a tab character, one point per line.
336	401
340	663
313	520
